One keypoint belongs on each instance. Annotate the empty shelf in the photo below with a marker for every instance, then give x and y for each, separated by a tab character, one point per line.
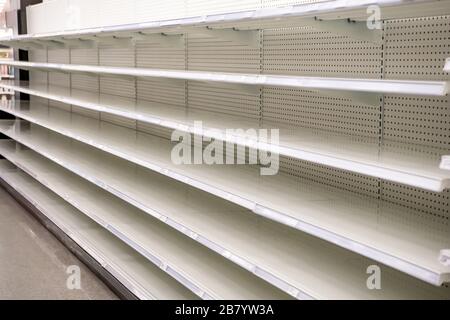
375	229
303	258
401	163
204	273
141	277
408	87
281	17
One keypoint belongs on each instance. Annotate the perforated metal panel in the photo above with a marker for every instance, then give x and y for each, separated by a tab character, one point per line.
213	54
417	49
39	56
307	51
157	53
85	57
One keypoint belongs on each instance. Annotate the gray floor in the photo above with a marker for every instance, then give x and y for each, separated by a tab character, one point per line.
33	263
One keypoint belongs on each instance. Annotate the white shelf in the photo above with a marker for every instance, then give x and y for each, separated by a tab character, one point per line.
132	270
286	252
281	17
408	87
350	221
191	264
393	161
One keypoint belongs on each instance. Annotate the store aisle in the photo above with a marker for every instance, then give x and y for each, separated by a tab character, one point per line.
33	263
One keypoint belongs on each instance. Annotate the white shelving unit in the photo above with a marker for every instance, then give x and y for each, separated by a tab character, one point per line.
323	212
293	273
422	88
363	122
194	267
365	156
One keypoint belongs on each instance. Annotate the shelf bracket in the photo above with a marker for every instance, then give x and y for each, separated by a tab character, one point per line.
170	40
355	29
243	37
444	257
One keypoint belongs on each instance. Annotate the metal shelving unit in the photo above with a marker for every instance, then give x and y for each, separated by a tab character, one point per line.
138	275
294	273
364	156
363	145
311	209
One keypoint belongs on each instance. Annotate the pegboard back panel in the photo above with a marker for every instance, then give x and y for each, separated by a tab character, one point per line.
37	55
85	57
58	56
223	100
85	82
36	76
118	87
308	52
417	49
167	92
58	78
434	205
212	54
336	178
117	57
300	108
424	121
88	57
158	54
